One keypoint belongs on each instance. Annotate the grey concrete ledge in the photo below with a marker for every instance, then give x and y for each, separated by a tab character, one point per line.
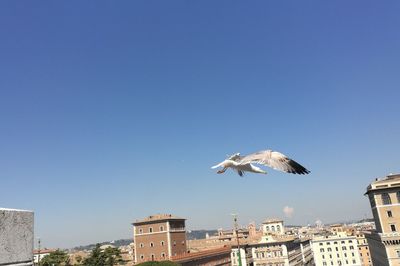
25	263
16	237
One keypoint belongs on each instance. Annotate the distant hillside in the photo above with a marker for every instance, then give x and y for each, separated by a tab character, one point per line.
190	235
116	243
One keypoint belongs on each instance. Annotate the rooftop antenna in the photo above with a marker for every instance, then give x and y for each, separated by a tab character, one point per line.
235	224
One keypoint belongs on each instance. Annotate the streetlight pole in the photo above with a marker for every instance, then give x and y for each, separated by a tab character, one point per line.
237	237
38	251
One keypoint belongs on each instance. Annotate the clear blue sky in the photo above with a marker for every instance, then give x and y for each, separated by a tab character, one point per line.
112	111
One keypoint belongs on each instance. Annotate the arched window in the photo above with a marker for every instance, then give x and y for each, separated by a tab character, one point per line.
151	230
161	228
272	228
162	243
386	199
278	228
151	244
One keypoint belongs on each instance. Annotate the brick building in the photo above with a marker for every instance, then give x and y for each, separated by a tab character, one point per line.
159	237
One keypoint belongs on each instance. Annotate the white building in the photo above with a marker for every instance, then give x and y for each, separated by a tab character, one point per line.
273	226
38	255
339	249
235	256
274	248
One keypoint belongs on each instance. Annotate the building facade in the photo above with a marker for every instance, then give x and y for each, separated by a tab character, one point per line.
159	237
363	249
274	248
384	242
337	249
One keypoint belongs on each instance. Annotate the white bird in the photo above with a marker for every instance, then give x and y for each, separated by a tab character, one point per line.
273	159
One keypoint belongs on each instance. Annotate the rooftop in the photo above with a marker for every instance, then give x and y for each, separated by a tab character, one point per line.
201	254
269	221
391	180
43	251
157	218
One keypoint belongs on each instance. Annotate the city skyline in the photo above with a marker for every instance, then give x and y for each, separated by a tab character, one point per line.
115	111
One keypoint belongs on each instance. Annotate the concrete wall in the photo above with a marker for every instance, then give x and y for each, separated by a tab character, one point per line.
16	237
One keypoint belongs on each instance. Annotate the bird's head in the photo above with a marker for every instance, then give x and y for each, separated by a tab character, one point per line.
233	156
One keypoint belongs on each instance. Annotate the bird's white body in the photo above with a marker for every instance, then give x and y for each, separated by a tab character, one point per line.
273	159
247	167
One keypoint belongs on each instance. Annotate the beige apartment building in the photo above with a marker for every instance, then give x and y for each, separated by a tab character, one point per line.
159	237
336	249
384	242
363	249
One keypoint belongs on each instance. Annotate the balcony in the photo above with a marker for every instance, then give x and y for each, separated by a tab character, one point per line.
177	229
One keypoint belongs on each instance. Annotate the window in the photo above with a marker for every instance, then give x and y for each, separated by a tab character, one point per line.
321	250
278	228
328	243
350	241
140	231
320	244
161	228
151	230
331	262
272	228
344	248
345	254
329	249
386	199
141	245
393	228
163	255
174	243
323	256
398	196
324	263
337	249
151	244
335	243
351	247
398	253
389	214
162	243
354	261
141	257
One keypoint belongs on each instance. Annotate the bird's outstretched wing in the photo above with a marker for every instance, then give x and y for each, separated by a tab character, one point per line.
275	160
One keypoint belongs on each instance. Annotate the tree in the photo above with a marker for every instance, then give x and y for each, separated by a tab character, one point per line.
55	258
107	257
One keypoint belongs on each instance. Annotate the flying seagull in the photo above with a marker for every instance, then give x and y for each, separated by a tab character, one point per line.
273	159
